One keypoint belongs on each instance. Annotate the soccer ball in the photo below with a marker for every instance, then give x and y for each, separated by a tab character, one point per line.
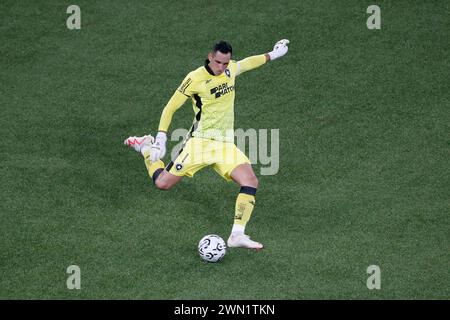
212	248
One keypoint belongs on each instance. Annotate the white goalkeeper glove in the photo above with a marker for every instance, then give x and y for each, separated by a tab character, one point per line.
158	149
279	50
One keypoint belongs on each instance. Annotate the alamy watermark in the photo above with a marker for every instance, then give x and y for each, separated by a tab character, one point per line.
374	20
74	280
74	20
374	281
262	147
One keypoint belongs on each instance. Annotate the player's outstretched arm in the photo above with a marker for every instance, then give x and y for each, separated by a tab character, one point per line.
159	146
253	62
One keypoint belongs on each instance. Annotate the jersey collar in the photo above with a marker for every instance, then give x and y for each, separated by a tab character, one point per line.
208	68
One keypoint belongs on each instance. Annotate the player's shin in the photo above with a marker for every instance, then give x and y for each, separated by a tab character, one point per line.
245	203
153	168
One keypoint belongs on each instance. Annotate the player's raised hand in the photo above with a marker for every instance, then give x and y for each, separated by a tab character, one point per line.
279	50
158	149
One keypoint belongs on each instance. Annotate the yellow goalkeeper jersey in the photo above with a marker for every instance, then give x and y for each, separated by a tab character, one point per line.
212	99
213	102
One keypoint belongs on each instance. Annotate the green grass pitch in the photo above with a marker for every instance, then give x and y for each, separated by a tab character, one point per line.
364	178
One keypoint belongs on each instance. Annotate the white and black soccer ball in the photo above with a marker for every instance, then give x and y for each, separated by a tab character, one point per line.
212	248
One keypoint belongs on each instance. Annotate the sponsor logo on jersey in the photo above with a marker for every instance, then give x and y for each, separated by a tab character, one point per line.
221	90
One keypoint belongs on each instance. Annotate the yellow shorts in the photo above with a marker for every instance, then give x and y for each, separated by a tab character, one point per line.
198	153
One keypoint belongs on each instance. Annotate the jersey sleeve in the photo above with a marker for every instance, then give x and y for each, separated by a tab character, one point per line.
173	105
250	63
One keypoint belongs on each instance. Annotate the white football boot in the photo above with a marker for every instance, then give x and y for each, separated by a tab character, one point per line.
240	240
139	143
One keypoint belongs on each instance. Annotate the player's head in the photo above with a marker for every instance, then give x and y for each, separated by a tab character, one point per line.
220	56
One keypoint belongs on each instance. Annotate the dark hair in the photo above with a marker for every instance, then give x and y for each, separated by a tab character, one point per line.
223	47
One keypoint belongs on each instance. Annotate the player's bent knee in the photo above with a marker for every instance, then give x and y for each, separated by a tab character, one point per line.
254	181
251	181
162	185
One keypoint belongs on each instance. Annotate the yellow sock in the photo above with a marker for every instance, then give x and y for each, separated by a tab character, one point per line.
153	167
244	208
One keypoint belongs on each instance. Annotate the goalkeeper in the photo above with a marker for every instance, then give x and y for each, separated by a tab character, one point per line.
211	88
